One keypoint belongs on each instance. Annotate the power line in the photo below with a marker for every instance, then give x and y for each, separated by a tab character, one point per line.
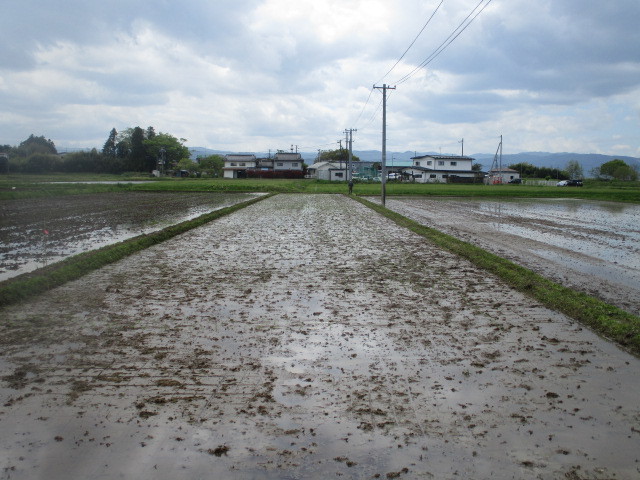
459	29
397	62
414	41
365	105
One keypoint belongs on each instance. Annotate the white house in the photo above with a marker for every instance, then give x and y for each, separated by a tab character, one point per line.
236	166
439	168
327	171
287	161
504	175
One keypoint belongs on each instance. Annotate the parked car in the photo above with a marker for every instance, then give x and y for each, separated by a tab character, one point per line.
562	183
574	183
516	181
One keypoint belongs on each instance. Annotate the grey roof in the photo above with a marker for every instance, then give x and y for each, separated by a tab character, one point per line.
443	157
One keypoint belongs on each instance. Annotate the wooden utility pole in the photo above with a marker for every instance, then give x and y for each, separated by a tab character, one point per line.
383	179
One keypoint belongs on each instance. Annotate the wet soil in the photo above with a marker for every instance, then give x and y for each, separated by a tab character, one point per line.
36	232
590	246
306	336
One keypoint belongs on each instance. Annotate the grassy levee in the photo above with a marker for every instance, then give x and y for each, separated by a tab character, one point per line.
22	186
607	320
33	283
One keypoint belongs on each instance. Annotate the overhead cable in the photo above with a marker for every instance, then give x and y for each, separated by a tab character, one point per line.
411	44
455	34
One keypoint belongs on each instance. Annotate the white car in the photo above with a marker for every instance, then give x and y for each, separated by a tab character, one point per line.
562	183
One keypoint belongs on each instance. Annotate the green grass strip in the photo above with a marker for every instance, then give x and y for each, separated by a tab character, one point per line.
33	283
605	319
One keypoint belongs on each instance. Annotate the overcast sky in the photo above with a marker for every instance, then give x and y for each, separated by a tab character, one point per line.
254	75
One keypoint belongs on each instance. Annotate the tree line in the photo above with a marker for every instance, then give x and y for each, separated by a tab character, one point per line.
131	150
613	170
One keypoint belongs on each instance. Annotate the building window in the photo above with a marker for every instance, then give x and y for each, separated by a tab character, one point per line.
428	162
453	164
243	164
417	176
433	175
234	164
279	164
339	175
294	164
417	164
441	163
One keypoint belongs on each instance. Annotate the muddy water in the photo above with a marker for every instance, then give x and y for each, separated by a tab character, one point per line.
301	337
37	232
588	245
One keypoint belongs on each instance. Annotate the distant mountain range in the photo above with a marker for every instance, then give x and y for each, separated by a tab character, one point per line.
588	161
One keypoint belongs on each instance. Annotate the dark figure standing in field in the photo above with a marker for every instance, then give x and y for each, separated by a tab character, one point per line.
350	187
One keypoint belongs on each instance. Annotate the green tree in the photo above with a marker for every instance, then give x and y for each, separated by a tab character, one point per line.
187	164
109	148
574	169
618	169
338	155
211	165
42	163
33	145
526	169
138	155
173	147
89	162
122	149
609	167
625	173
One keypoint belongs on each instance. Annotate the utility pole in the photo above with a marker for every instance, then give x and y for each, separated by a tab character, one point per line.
462	142
384	89
349	139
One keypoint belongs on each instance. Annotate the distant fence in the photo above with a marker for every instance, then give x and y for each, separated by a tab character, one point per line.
541	183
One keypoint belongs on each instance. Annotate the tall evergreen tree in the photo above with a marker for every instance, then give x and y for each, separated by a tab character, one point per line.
109	148
137	157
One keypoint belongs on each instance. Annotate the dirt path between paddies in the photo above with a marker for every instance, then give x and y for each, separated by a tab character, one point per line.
306	337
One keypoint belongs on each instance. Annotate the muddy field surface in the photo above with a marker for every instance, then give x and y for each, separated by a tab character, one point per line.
39	231
303	337
590	246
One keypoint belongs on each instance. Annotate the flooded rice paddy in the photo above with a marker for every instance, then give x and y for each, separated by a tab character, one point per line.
305	337
40	231
591	246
